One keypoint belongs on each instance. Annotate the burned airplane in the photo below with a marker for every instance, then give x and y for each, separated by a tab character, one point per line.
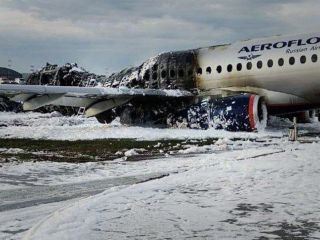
233	86
69	74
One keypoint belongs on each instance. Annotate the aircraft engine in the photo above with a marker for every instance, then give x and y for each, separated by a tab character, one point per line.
238	113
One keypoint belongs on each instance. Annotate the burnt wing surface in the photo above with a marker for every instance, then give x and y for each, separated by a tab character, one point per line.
65	75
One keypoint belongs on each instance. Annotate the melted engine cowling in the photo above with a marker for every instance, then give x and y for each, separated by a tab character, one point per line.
237	113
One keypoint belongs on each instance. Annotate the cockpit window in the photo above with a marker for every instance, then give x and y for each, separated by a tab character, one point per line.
208	70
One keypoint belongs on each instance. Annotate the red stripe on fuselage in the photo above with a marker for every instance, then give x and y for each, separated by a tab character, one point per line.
250	111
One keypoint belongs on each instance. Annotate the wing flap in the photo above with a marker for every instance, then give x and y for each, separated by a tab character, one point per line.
104	105
36	102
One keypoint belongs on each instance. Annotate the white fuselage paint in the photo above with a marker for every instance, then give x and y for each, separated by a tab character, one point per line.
281	85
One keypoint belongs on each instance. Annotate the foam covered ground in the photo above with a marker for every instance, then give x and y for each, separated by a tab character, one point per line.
260	186
55	126
232	195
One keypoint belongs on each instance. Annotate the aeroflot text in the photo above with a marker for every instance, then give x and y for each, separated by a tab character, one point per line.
269	46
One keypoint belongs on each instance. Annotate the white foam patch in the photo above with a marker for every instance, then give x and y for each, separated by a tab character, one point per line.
201	199
58	127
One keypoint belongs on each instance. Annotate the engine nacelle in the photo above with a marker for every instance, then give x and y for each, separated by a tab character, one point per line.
236	113
239	113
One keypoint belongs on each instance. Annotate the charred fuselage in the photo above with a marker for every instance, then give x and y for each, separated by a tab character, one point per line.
175	70
65	75
172	70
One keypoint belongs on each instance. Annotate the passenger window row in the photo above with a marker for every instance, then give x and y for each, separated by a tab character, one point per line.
173	73
249	65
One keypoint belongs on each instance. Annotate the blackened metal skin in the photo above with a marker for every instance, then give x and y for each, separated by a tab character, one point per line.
171	70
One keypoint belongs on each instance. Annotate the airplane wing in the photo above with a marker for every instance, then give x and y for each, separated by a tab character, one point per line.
94	99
